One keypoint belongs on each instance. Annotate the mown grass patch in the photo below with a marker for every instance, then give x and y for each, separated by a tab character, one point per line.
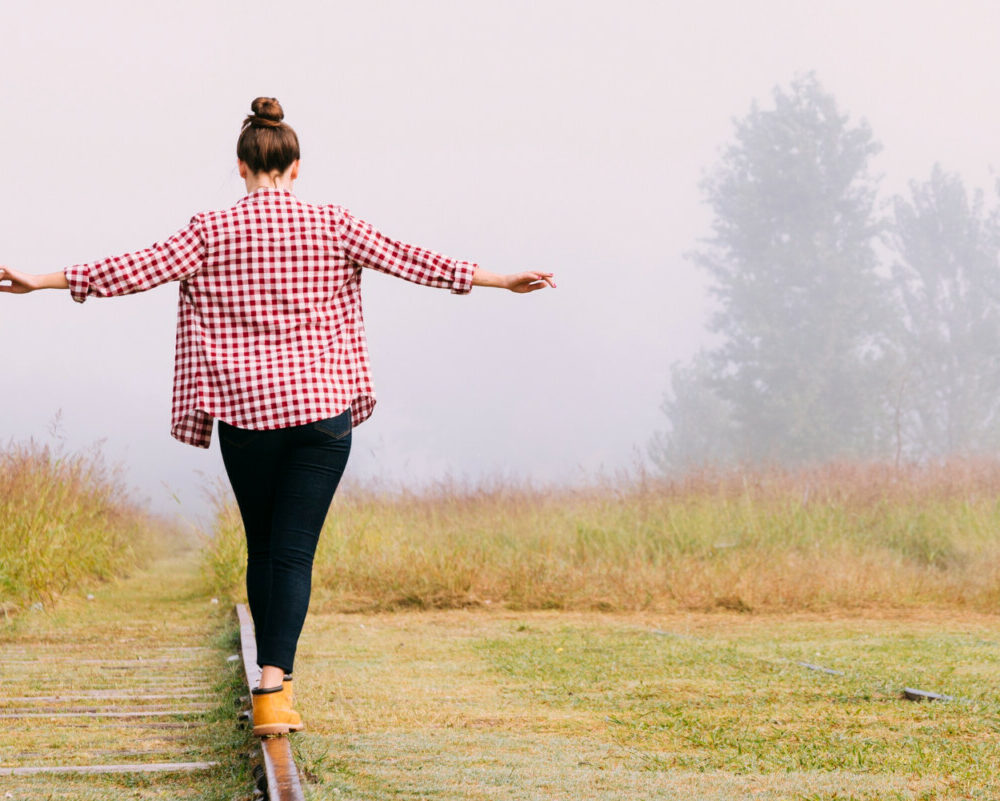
562	705
742	704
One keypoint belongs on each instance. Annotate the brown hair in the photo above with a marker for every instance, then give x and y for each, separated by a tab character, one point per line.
266	143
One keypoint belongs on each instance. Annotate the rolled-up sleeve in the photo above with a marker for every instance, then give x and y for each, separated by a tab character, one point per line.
173	259
369	248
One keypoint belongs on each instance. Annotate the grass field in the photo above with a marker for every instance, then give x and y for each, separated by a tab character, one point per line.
644	640
467	704
500	704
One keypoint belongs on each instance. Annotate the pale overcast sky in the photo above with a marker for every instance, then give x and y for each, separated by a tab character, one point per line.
567	136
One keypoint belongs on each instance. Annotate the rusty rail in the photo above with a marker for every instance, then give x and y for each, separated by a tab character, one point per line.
279	765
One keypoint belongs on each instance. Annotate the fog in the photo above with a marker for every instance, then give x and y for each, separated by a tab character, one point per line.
566	136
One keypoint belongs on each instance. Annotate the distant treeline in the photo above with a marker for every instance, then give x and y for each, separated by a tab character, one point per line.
846	327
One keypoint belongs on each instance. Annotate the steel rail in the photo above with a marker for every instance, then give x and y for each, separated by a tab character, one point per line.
283	782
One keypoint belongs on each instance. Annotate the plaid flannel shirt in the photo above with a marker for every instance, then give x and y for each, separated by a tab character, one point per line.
270	332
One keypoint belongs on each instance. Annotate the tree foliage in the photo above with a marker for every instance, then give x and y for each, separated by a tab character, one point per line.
821	354
700	431
947	279
793	264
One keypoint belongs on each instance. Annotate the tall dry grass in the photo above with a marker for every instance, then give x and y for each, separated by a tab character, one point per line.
224	548
839	536
65	522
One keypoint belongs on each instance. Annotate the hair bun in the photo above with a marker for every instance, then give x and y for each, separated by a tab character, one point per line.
267	108
266	143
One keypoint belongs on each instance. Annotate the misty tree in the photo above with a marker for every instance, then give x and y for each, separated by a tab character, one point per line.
947	278
700	432
800	304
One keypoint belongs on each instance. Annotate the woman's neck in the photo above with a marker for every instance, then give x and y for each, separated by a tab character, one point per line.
263	180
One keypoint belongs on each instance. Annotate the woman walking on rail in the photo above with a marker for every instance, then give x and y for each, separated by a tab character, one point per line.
271	343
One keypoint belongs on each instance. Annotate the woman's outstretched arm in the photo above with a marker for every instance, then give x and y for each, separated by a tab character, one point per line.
173	259
21	283
370	248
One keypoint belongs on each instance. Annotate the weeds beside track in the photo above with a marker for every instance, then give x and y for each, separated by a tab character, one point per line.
66	523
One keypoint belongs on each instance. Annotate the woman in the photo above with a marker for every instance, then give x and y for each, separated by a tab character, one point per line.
271	343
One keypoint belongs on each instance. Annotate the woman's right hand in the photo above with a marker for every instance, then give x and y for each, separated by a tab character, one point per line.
17	282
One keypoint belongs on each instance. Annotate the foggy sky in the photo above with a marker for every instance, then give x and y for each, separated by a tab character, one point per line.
567	136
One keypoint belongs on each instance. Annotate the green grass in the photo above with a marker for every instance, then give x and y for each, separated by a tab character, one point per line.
739	705
541	705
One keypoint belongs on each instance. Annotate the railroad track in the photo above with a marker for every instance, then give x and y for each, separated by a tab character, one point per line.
77	717
99	704
280	776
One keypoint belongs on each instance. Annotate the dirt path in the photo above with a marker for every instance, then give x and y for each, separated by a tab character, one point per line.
132	684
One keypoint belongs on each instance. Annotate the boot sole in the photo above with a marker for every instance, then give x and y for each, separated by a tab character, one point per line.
266	729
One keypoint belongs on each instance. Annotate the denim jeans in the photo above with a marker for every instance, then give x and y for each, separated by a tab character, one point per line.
284	481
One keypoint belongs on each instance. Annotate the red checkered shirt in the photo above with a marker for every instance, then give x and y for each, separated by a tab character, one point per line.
269	328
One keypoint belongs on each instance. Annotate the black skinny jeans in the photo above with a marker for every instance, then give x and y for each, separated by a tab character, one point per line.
284	481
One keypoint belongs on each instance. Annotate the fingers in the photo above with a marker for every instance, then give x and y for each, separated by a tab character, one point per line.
531	281
10	282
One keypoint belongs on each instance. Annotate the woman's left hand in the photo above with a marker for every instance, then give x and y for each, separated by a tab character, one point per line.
529	281
17	282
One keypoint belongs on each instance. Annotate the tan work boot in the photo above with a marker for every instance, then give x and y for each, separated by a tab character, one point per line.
273	713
